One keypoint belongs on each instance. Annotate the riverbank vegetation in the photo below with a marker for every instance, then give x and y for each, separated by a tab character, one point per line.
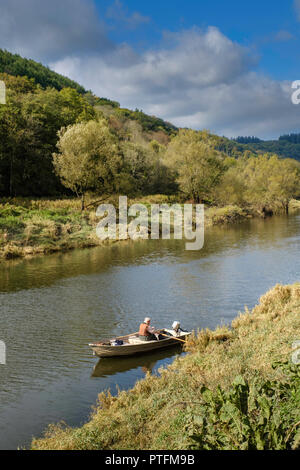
235	389
42	226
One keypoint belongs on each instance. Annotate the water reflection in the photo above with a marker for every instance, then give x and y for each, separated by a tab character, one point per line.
147	362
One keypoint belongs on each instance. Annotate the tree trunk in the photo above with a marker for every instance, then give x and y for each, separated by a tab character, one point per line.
196	198
11	176
82	203
286	208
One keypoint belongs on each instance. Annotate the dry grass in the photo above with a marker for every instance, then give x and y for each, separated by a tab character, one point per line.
153	414
294	205
30	227
226	215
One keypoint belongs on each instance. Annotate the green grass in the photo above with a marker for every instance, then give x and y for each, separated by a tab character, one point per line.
29	227
199	395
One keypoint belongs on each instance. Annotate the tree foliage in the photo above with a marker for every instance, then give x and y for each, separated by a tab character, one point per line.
198	166
88	158
14	64
260	181
29	123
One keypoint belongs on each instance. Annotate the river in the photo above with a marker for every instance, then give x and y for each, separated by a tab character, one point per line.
53	306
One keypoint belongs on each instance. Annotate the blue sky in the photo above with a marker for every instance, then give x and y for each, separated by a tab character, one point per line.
270	28
226	66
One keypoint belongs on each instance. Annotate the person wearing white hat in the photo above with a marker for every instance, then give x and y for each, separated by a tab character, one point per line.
146	332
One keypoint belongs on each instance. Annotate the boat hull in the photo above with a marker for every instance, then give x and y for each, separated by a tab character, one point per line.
133	349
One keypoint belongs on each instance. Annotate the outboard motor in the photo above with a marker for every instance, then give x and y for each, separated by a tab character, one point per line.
176	326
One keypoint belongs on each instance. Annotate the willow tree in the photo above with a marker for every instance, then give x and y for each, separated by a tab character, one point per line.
261	181
88	158
197	164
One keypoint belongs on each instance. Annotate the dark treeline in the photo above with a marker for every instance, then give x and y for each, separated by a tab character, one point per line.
287	146
294	138
247	140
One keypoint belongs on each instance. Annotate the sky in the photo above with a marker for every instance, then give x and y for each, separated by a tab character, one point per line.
226	66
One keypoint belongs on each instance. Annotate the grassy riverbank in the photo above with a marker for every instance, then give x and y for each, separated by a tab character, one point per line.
225	392
29	227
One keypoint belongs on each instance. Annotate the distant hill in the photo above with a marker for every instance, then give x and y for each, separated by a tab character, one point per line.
15	65
287	146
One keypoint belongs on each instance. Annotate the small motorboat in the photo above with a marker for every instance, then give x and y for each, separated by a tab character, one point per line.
132	344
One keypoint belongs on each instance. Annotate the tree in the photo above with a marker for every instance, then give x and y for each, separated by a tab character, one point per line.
29	123
14	136
197	164
232	187
88	158
284	183
261	181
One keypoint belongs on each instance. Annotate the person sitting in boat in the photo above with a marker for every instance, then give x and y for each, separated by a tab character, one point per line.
147	332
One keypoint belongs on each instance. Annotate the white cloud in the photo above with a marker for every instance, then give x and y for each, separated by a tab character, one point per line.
197	79
50	30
